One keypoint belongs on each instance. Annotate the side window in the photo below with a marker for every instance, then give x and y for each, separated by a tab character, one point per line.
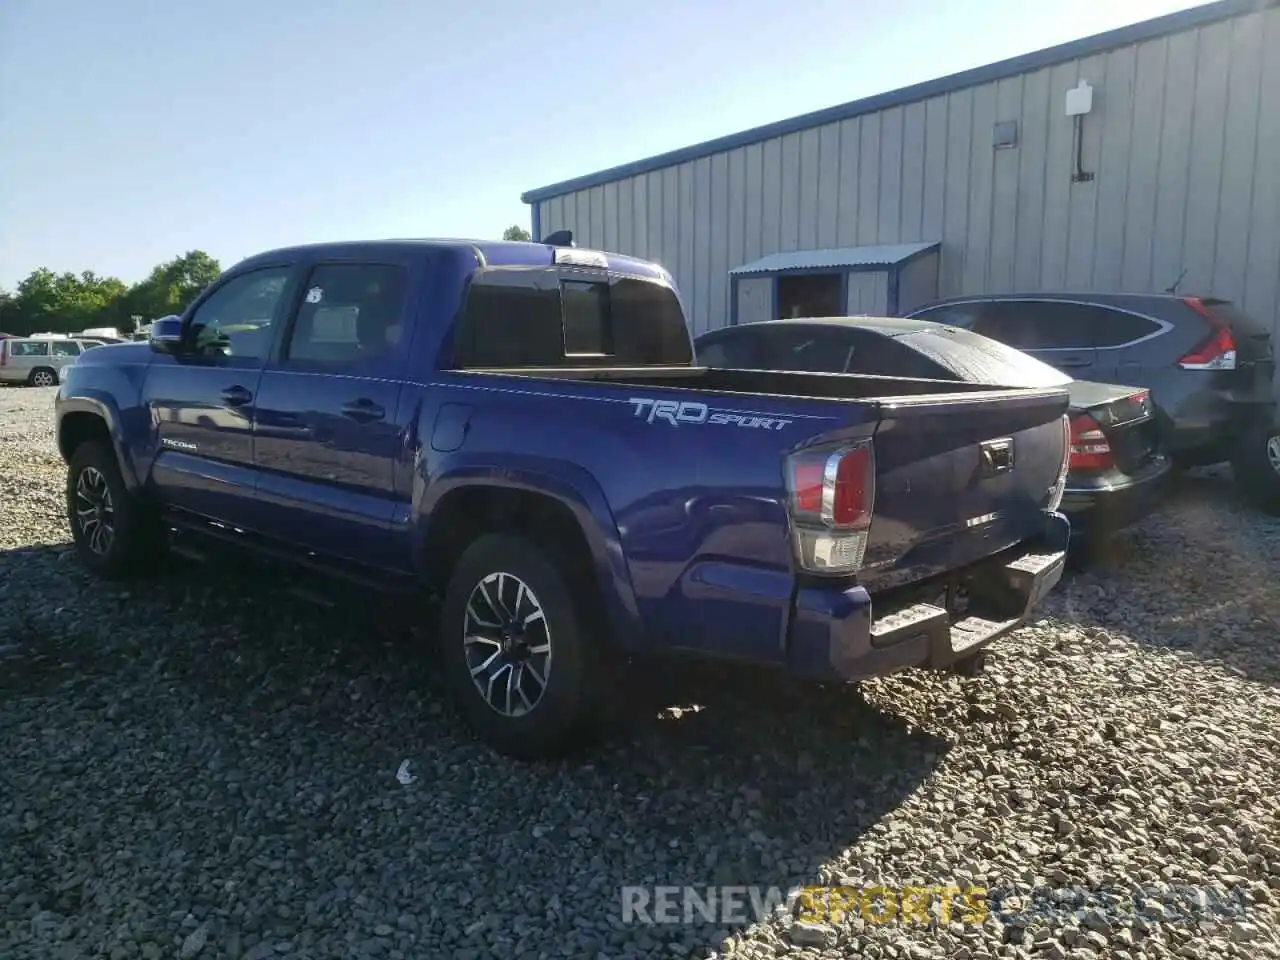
1114	328
349	312
953	314
237	319
65	348
1046	324
734	352
29	348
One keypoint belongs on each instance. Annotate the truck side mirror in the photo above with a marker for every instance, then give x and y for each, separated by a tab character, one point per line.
166	336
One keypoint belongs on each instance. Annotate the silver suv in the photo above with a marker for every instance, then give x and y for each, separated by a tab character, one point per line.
38	361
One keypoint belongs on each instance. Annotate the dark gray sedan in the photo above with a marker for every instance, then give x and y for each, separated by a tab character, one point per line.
1117	472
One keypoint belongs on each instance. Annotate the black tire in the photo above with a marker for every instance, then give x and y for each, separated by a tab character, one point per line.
566	714
1255	462
135	541
42	377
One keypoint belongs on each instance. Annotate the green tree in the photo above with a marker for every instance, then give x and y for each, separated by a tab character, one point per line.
171	286
515	232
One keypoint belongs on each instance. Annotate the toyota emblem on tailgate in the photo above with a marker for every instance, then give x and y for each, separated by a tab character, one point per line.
997	456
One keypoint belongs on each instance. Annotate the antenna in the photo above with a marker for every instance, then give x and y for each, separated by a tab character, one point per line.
561	238
1174	288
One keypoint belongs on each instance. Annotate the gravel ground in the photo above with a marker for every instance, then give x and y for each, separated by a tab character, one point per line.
207	767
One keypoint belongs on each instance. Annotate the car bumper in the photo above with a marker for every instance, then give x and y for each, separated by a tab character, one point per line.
837	636
1212	420
1098	511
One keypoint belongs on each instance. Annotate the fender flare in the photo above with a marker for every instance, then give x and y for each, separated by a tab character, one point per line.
568	484
105	409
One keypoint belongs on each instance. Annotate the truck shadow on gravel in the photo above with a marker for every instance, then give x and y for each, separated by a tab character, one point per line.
280	728
1197	577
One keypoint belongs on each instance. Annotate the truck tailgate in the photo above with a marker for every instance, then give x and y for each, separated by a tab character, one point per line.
959	478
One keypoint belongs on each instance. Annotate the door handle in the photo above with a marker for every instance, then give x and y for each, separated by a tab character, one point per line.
363	411
1074	362
236	396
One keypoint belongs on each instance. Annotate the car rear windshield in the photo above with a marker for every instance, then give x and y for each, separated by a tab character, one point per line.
521	318
979	359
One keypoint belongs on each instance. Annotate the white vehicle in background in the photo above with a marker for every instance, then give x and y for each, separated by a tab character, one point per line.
38	360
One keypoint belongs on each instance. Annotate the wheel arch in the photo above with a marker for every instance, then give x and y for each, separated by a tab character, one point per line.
83	419
554	508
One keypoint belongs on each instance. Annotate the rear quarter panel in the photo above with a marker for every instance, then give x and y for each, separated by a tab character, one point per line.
688	520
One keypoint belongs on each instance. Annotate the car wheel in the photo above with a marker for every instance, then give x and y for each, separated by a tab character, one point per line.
517	658
43	377
115	535
1256	465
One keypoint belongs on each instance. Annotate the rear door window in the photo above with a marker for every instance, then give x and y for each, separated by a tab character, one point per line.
29	348
1042	324
955	314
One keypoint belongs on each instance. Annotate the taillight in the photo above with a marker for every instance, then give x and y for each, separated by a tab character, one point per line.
1218	352
1060	484
1089	447
832	497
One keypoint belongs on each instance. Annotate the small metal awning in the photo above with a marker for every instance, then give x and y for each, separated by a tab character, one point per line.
880	257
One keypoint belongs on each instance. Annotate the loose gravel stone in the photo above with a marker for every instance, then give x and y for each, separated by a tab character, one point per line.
203	766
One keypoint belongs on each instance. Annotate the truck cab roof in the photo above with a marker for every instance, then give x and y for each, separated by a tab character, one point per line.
488	253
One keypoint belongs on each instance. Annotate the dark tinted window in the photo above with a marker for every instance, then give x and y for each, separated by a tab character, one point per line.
349	312
510	325
586	318
648	324
1039	325
734	351
803	348
509	322
1113	328
956	314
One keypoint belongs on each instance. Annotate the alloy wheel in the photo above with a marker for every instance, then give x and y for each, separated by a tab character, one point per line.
507	643
42	378
95	514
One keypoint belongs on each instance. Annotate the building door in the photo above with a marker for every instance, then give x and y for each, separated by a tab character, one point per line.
810	295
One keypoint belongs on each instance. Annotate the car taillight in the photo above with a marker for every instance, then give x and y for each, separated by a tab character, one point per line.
1060	484
1218	352
832	497
1089	447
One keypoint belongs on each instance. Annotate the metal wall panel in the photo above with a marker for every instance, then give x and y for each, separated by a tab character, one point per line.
1183	142
868	293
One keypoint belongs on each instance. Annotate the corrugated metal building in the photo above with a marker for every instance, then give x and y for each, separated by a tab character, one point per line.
974	183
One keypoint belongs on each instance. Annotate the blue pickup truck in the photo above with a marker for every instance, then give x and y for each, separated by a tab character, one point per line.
517	432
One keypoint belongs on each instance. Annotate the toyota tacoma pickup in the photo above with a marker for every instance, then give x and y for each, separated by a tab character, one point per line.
519	432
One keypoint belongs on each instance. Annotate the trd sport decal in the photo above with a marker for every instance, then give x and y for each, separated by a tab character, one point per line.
695	414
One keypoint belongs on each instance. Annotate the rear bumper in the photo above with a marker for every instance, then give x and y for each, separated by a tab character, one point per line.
836	636
1097	511
1211	420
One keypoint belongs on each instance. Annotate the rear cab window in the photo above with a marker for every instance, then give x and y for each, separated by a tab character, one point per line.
516	318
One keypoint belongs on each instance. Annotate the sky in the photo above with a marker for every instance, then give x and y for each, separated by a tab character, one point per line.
132	131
